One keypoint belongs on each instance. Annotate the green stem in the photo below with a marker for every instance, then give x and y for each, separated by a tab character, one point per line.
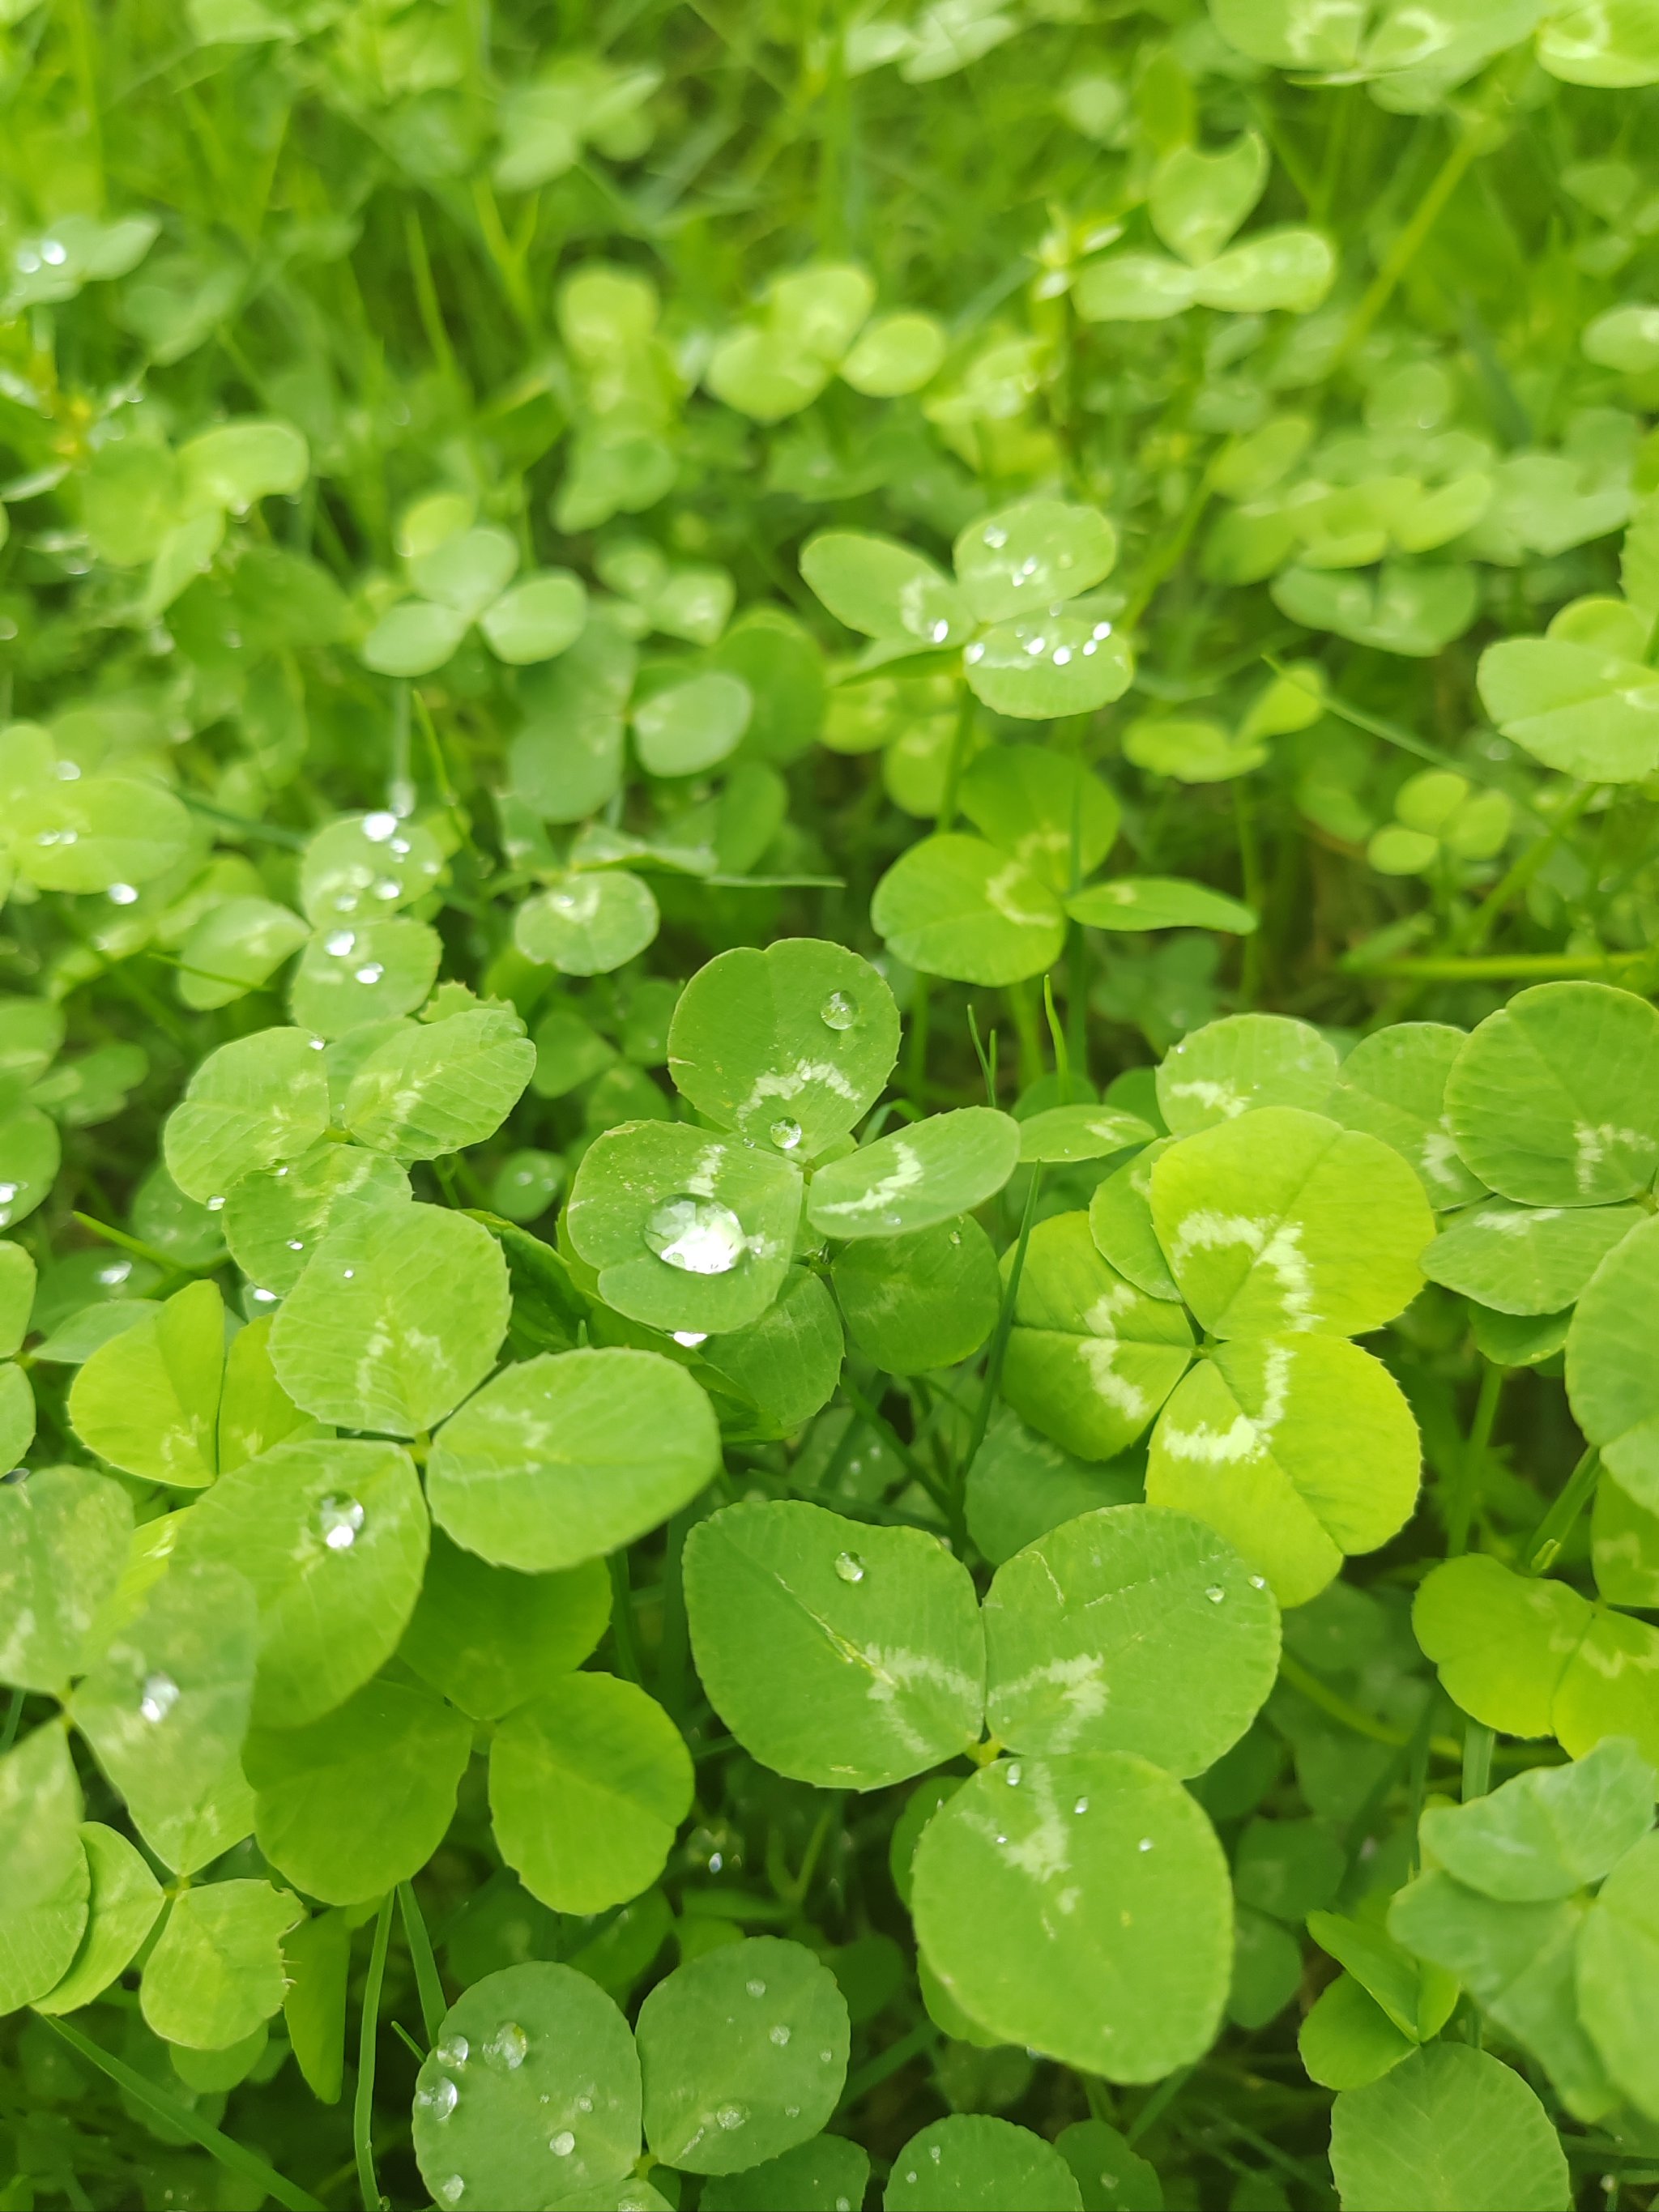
622	1619
14	1715
1497	967
922	2037
1478	928
1004	1329
1465	1488
1473	139
433	2003
362	2104
1553	1530
228	2152
1159	2101
1351	1716
1478	1741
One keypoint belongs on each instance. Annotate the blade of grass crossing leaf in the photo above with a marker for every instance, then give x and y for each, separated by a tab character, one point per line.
179	2116
433	2003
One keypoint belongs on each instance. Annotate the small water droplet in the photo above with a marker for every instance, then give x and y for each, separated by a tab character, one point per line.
1012	1772
785	1135
1215	1594
379	826
370	972
1081	1806
52	253
826	2057
995	537
1062	654
849	1566
838	1011
698	1236
339	946
730	2116
296	1243
440	2099
386	889
1146	1843
1258	1582
160	1695
780	2035
939	632
584	2104
455	2053
691	1337
453	2190
122	894
216	1204
756	1989
348	1274
339	1522
509	2044
562	2144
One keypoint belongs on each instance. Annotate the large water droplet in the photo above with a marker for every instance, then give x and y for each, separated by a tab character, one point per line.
339	1522
160	1695
441	2099
562	2144
849	1566
455	2053
785	1135
698	1236
453	2190
1081	1806
838	1011
731	2116
379	827
1215	1594
370	972
1013	1773
508	2044
341	946
756	1989
780	2035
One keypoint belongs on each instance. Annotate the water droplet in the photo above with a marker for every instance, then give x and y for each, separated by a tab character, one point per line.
122	894
347	1274
509	2044
1013	1773
849	1566
1258	1582
116	1272
52	253
1101	629
370	972
716	1860
339	946
1215	1594
584	2104
453	2190
1061	655
939	632
974	652
698	1236
386	889
780	2035
691	1337
731	2116
400	847
379	827
160	1695
339	1522
216	1204
296	1243
785	1135
838	1011
756	1989
562	2144
455	2053
440	2099
1146	1843
1081	1806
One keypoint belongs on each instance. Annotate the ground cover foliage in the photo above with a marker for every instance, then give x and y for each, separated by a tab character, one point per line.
828	1105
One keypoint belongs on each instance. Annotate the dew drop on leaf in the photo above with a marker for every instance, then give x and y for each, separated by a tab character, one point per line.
1011	1777
339	1522
160	1695
1081	1806
339	946
562	2144
785	1135
455	2053
838	1011
756	1989
377	828
509	2044
1215	1594
780	2035
371	972
731	2116
441	2099
451	2189
698	1236
849	1566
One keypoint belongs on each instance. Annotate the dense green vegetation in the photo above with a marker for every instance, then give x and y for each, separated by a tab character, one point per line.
828	1105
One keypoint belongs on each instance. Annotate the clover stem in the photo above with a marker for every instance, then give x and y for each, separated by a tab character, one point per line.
1478	1741
999	1350
621	1618
362	2104
1552	1531
1464	1489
